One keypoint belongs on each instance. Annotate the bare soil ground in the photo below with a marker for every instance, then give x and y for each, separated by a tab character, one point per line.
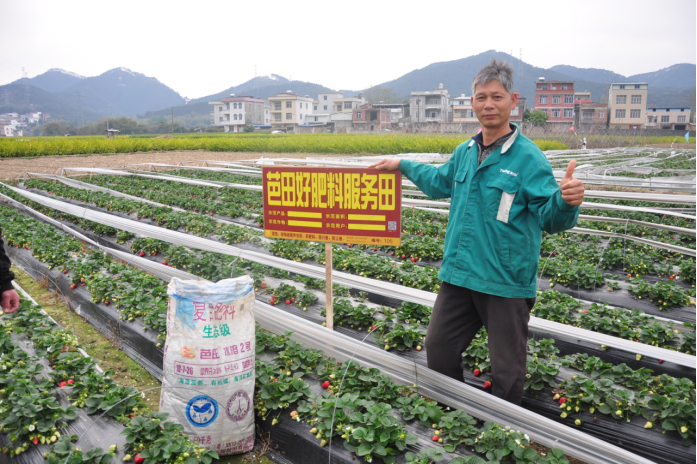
14	168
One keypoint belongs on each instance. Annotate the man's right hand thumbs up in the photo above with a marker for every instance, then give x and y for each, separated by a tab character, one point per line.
572	190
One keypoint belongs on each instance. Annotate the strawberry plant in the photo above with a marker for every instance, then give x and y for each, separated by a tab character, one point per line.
345	314
158	441
664	294
476	356
63	447
399	337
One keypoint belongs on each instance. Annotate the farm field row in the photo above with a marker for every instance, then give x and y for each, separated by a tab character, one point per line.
358	261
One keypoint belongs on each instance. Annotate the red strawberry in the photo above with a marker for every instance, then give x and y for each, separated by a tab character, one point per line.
154	253
133	414
138	459
375	249
435	438
585	311
71	382
287	302
35	441
260	225
487	384
372	327
477	372
26	247
83	250
142	254
392	254
562	400
671	277
413	259
422	234
275	380
325	384
83	285
65	271
349	245
660	361
293	300
629	275
106	303
62	384
404	256
211	214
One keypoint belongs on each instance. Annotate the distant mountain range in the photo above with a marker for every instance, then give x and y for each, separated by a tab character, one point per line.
117	92
121	92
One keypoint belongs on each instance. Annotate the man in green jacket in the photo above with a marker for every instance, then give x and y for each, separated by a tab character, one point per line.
503	195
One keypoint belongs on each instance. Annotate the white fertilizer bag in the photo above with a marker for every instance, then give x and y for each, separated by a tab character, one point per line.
210	352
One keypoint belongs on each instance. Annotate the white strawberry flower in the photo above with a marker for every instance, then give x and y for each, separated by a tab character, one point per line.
527	437
31	427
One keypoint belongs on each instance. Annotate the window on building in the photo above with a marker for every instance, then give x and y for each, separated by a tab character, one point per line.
556	99
338	106
325	97
348	105
601	114
289	115
234	116
544	87
637	86
470	113
556	113
240	117
277	117
325	107
543	99
433	114
564	87
621	86
635	114
568	112
359	115
234	106
220	119
665	118
636	100
621	100
289	104
543	110
301	117
227	106
568	98
314	107
514	111
220	108
620	114
277	105
681	118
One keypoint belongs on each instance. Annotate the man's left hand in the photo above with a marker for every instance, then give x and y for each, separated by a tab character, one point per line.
572	189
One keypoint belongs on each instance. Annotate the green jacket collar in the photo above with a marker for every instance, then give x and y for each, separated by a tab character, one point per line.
495	156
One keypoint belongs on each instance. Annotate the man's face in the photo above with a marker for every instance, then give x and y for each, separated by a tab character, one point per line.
493	104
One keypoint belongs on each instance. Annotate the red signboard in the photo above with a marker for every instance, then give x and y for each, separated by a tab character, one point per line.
341	205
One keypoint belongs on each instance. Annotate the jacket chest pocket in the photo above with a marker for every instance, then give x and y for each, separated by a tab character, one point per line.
500	193
459	183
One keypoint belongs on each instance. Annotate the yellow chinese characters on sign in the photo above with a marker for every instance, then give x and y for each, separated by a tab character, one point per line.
333	205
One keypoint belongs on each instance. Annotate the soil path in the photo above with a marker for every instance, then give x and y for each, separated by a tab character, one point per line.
14	168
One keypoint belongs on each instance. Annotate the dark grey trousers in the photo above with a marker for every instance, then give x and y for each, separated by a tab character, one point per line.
457	316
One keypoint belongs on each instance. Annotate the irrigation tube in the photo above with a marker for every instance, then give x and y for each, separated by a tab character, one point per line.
244	172
444	389
352	281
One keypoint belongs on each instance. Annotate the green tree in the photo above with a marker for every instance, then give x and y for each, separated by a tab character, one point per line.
539	118
54	128
249	128
379	94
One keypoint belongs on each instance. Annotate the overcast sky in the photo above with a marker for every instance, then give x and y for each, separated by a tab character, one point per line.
203	47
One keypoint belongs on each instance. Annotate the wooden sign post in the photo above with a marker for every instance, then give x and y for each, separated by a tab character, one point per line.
332	205
329	289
